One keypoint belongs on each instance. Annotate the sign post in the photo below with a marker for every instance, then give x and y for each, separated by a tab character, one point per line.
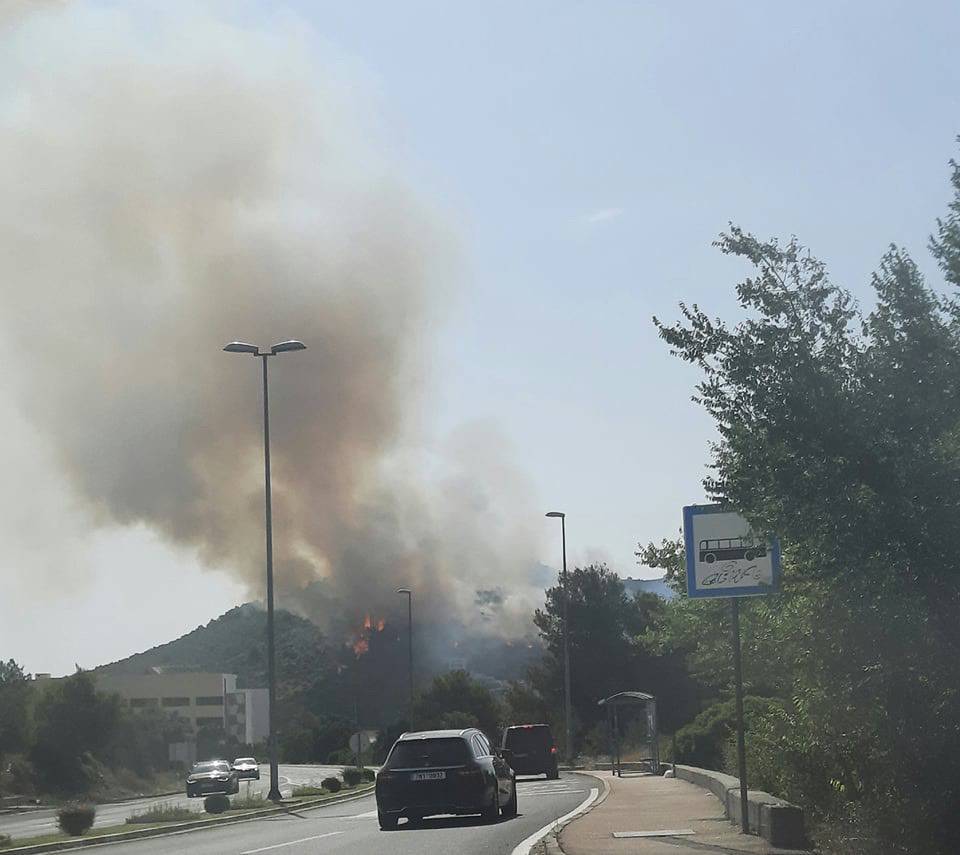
726	558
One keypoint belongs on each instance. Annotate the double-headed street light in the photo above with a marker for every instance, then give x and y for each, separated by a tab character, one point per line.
409	595
253	350
566	636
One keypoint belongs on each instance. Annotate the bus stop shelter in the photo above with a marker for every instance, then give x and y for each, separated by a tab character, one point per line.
617	705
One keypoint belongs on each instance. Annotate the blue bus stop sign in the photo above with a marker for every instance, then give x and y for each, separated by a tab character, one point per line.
725	558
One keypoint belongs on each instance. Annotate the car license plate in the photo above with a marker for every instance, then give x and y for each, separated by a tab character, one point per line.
428	776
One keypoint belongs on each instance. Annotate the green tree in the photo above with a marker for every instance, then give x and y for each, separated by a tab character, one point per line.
608	652
456	699
312	739
74	725
15	699
141	738
841	431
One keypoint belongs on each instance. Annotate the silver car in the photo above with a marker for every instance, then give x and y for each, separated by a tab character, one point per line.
246	767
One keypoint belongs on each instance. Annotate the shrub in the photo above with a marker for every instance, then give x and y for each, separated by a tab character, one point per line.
352	776
217	803
74	819
5	841
703	741
368	775
331	785
340	757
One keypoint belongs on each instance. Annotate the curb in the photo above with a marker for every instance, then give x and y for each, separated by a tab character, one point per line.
552	840
549	837
180	827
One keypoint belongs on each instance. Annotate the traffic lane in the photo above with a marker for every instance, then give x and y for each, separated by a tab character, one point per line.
351	828
539	803
35	823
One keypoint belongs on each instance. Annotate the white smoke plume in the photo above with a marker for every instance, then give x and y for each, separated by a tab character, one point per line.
170	182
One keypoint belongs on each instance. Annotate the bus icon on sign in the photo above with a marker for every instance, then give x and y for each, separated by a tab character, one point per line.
731	549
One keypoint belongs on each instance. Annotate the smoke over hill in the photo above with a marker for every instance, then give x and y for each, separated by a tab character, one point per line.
172	182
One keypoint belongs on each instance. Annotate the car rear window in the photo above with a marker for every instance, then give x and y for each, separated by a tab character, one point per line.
529	739
423	753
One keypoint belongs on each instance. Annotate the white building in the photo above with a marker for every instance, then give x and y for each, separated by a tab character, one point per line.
204	699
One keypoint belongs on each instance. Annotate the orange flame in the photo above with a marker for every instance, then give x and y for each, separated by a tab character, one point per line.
370	624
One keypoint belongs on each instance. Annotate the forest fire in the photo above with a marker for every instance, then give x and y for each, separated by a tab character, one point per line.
361	643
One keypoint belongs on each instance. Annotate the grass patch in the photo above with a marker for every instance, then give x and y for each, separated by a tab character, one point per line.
251	801
164	813
301	792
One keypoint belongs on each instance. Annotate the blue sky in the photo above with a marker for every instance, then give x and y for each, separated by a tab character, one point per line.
587	153
582	156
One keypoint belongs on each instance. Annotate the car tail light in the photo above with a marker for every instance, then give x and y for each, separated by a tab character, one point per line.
384	777
469	774
553	749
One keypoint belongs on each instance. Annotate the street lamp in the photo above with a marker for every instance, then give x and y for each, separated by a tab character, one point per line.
282	347
566	636
409	594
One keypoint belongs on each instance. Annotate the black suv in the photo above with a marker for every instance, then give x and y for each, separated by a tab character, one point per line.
532	749
444	771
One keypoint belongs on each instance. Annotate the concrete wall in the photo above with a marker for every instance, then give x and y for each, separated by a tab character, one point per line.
258	715
770	818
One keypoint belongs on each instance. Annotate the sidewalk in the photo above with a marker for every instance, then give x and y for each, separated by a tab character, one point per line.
646	802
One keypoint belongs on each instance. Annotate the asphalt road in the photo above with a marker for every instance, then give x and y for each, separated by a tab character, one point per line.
39	822
351	828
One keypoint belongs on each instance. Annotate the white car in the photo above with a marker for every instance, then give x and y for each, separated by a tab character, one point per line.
246	767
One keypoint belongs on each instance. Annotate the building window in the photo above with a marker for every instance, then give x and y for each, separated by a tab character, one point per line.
213	701
209	721
176	702
144	702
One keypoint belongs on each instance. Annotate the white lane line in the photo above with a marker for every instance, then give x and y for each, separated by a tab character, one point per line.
290	843
368	815
570	788
524	847
558	793
667	832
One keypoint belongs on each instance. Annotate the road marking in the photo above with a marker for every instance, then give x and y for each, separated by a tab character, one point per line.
290	843
554	793
524	847
368	815
669	832
551	789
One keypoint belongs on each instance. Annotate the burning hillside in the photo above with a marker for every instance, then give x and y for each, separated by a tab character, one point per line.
361	642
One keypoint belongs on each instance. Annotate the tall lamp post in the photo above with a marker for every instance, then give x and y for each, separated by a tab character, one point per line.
409	594
566	636
253	350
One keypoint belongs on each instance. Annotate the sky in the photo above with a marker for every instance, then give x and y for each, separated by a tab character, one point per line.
581	157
